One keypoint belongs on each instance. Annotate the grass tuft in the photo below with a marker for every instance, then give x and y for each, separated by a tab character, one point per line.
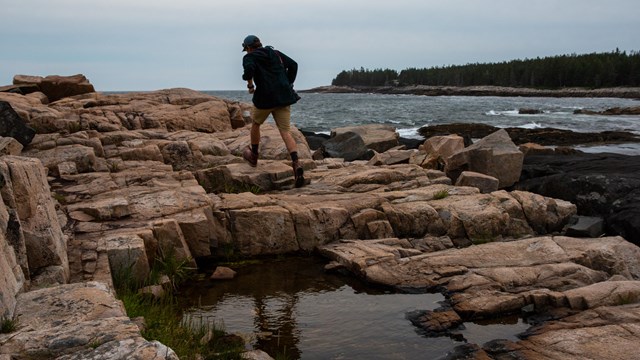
441	194
8	325
164	317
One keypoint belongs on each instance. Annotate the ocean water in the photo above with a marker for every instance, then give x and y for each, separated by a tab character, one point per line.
322	112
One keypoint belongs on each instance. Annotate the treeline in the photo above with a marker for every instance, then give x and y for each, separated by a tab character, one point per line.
590	71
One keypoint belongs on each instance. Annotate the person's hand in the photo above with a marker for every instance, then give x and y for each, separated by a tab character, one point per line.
252	90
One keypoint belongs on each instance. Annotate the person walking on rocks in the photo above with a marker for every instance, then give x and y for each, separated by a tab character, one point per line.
270	75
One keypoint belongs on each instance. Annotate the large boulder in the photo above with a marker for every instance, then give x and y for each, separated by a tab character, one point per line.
347	145
12	125
27	190
436	150
377	137
495	155
605	185
77	321
56	87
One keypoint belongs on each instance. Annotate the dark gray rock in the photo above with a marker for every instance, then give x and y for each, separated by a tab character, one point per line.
348	145
410	143
20	89
542	136
603	185
314	140
12	125
586	226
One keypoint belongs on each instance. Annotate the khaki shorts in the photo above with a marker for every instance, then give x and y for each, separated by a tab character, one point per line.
282	116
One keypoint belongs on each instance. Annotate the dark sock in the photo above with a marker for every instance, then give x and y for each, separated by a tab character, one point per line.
294	156
254	148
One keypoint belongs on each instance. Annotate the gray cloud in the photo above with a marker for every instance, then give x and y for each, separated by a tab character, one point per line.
146	45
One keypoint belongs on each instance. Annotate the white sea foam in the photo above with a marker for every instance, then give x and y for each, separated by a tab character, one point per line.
502	112
410	133
531	125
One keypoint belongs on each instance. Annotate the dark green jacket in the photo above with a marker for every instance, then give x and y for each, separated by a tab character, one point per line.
273	74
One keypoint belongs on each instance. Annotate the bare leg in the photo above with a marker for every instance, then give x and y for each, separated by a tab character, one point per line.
255	134
298	171
289	142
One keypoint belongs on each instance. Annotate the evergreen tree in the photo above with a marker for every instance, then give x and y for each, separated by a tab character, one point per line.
589	70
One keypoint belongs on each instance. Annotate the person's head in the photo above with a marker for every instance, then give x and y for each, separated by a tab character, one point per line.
251	42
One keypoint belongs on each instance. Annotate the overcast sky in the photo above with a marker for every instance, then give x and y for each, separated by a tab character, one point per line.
157	44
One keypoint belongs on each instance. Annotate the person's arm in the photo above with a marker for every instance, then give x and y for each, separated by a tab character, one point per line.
290	66
250	86
249	69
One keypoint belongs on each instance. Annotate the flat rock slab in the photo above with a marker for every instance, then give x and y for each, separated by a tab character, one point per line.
77	321
502	277
608	332
595	281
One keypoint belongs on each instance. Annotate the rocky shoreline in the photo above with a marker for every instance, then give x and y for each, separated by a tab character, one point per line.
92	183
619	92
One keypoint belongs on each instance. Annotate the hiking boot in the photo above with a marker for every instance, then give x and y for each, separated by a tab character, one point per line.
251	158
298	173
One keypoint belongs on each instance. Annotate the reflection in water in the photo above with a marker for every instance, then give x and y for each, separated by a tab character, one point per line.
292	307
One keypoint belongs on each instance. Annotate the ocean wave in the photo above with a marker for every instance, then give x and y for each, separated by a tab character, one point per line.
531	125
517	113
502	112
409	133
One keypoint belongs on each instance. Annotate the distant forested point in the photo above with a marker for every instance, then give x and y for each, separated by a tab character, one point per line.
596	70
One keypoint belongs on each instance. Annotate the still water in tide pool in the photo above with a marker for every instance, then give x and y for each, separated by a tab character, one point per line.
291	308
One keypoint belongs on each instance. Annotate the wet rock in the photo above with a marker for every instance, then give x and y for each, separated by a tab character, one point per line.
527	111
601	185
437	322
634	110
467	351
542	136
223	273
256	355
